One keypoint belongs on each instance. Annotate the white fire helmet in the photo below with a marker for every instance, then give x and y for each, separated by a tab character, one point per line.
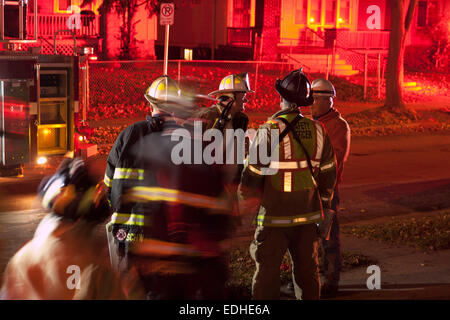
163	89
233	83
323	88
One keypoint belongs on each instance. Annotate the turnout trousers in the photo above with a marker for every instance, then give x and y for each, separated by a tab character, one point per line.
268	249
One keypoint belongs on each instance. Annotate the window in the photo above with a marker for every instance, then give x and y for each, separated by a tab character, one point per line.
64	4
344	12
330	12
187	54
316	12
301	12
427	13
241	13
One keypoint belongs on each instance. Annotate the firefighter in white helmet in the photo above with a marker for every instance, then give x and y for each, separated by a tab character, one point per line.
339	133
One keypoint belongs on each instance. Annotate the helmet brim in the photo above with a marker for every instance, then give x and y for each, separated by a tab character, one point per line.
218	92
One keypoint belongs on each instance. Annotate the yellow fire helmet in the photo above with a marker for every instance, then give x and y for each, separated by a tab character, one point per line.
233	83
323	88
163	89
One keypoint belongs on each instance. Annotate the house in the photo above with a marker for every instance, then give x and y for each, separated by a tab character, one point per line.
234	29
65	23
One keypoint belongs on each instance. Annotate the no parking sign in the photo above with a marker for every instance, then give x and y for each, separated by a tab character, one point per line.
166	14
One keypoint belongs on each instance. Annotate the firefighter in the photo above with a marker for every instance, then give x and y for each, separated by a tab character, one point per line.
164	212
339	133
228	112
293	193
62	260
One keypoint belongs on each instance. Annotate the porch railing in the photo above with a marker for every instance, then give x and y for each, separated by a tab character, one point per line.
48	24
240	36
363	39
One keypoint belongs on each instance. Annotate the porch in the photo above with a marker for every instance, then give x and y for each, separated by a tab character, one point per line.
84	26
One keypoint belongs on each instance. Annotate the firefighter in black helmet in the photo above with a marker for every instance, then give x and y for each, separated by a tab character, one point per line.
291	195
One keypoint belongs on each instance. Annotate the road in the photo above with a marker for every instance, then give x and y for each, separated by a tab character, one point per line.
383	176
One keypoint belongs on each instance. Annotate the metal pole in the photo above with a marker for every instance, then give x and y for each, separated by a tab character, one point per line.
379	76
261	47
365	76
21	19
179	71
86	106
2	19
256	76
35	20
328	66
166	49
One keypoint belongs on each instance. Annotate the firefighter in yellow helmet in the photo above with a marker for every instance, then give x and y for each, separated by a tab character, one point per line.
291	193
160	221
229	111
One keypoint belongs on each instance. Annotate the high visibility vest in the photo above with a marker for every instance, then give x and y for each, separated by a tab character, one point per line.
293	196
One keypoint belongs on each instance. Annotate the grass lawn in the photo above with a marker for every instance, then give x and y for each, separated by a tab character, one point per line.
430	232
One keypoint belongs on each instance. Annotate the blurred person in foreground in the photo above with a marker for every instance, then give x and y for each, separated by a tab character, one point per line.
339	132
168	217
62	260
294	193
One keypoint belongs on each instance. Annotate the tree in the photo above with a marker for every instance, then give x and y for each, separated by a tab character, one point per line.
127	9
401	16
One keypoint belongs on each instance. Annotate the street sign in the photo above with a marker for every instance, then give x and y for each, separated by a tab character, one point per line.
166	14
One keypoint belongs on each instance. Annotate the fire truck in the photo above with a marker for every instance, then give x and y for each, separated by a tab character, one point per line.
40	112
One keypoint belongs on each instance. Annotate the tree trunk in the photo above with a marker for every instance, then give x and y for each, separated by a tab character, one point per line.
394	69
400	23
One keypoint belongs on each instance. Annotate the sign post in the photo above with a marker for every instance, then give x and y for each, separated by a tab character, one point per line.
166	18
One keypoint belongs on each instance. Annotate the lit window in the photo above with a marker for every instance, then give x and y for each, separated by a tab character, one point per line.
316	11
330	12
301	12
187	54
63	5
344	11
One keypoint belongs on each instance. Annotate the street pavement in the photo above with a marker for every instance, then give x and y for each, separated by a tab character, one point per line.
383	177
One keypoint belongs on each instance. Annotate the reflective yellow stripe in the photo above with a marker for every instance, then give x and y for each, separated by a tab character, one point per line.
107	181
171	195
287	181
254	170
327	166
128	219
290	165
288	221
129	173
319	140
